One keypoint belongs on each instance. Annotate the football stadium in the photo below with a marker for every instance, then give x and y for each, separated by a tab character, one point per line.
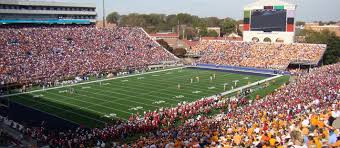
71	79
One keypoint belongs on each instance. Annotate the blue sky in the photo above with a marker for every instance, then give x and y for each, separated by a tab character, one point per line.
307	10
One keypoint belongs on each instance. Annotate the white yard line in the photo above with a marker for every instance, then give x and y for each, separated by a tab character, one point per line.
149	92
52	88
115	101
164	98
249	85
72	98
123	94
86	108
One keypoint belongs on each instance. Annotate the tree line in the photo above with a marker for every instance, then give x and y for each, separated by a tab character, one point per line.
321	23
192	26
187	25
332	54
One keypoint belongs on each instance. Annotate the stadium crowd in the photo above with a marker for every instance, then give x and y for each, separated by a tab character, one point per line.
43	55
299	114
5	138
137	124
259	55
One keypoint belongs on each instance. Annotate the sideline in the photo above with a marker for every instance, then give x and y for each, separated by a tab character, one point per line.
223	93
249	85
89	82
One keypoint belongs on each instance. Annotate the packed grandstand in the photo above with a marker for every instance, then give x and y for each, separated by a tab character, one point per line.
300	113
260	55
75	73
42	55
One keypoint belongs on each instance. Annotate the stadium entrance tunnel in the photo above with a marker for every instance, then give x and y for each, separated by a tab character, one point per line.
280	40
255	39
267	39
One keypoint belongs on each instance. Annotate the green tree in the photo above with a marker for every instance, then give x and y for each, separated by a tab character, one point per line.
212	33
165	45
171	20
154	19
184	18
113	18
133	19
314	37
228	26
180	52
300	23
331	23
190	33
203	32
202	28
332	54
212	21
321	23
196	21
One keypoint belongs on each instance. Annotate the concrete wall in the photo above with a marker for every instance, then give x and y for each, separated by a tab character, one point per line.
287	37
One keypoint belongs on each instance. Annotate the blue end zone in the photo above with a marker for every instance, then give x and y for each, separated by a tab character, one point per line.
233	71
244	69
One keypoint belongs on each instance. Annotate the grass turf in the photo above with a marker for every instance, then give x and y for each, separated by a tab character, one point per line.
96	103
273	85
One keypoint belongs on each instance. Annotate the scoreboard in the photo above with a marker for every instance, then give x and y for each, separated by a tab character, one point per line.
270	19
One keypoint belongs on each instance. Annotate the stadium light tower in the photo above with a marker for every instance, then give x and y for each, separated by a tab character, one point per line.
104	14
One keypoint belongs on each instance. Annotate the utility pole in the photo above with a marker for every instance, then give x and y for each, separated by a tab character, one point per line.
104	14
178	32
178	27
183	33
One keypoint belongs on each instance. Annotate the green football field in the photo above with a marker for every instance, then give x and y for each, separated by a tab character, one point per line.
95	103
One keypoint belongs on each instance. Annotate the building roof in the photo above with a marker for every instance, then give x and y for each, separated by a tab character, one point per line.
47	3
223	38
164	35
190	43
327	26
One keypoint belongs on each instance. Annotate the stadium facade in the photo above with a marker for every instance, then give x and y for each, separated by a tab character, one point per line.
269	21
39	12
